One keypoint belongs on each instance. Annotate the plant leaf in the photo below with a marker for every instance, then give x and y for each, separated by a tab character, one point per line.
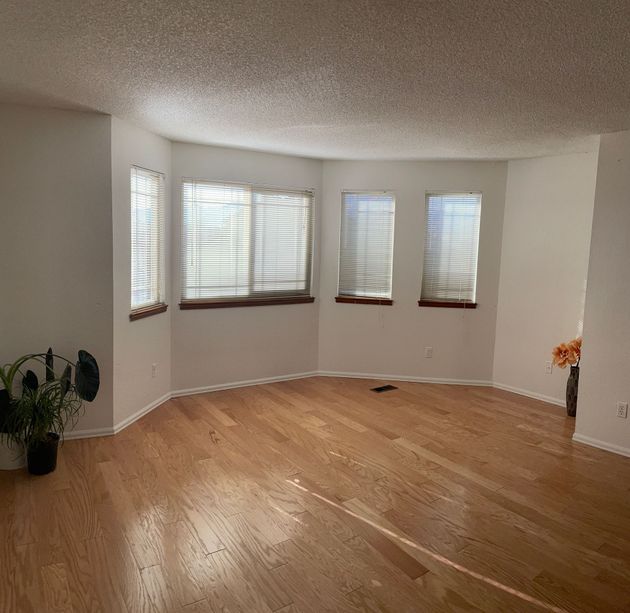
65	380
86	376
30	381
50	372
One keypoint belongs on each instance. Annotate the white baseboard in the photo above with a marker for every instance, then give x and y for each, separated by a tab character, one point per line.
74	434
143	411
593	442
407	378
517	390
234	384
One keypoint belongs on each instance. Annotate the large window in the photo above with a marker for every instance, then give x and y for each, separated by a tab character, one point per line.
450	249
147	239
366	247
245	244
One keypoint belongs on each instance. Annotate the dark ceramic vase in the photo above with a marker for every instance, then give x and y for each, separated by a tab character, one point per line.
572	390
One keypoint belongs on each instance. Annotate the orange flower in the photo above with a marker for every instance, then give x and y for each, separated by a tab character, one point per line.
575	347
561	355
567	354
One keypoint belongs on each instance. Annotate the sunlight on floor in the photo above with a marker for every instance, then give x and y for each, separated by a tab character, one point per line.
436	556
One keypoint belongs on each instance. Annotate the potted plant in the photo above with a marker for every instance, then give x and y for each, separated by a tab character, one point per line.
41	412
569	354
12	454
12	451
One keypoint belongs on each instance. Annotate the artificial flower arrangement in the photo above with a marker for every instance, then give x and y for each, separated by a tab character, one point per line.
568	354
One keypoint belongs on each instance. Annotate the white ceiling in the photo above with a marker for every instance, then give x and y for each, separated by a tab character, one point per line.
486	79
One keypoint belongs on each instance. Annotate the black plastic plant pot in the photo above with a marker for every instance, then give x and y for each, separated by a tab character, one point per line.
42	455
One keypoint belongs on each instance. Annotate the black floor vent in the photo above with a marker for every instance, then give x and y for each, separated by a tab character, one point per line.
384	388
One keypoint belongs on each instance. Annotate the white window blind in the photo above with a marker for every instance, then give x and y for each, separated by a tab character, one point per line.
366	245
451	246
240	241
147	238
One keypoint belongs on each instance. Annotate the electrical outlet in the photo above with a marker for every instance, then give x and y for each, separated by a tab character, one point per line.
154	370
622	410
428	352
548	368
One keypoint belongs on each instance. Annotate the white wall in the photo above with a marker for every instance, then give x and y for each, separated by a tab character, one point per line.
56	240
605	372
544	262
137	344
219	346
391	339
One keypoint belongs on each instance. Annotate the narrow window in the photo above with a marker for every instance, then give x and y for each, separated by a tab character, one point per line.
450	249
366	247
147	240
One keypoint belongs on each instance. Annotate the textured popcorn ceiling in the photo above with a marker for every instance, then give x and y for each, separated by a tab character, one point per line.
333	79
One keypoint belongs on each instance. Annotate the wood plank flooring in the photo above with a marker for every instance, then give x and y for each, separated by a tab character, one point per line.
320	495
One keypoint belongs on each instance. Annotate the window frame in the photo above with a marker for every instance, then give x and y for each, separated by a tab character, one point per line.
160	305
355	298
279	297
448	303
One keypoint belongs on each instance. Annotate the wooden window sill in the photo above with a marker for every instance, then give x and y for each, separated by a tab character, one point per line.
247	302
447	304
154	309
360	300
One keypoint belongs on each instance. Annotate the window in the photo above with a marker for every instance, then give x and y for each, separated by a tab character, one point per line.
147	240
366	247
245	245
450	249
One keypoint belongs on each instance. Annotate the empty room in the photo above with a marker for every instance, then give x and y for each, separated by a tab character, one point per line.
314	306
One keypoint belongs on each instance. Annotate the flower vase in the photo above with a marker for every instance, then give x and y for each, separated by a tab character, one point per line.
572	390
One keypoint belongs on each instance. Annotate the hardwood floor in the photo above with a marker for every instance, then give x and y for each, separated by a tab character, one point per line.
320	495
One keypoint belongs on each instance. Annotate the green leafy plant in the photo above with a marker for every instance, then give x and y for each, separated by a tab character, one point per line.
27	415
7	408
